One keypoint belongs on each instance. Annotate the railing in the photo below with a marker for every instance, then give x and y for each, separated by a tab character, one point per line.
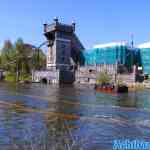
49	27
53	26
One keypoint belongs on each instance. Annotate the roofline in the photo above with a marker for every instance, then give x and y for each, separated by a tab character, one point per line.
122	43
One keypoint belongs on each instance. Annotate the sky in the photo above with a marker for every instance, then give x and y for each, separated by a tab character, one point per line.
97	21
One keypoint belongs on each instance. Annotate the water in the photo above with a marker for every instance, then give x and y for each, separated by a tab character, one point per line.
49	117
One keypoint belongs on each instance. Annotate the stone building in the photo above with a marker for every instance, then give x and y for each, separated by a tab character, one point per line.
64	51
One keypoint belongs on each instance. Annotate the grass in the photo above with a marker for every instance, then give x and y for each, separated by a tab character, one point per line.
25	77
11	77
103	77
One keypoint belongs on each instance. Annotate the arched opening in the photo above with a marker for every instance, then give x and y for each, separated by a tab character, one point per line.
44	80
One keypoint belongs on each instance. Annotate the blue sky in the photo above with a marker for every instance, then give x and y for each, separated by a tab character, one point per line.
98	21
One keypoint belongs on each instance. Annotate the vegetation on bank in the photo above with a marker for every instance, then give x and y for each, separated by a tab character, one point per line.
18	60
103	78
11	77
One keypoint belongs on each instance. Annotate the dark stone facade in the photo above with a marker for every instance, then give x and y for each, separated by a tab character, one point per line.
64	49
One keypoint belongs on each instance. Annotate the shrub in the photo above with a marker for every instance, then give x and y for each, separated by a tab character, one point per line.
103	77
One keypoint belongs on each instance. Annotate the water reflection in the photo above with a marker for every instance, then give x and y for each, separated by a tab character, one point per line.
60	125
47	116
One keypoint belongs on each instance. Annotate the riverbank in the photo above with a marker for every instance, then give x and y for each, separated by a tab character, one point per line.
11	77
139	86
132	87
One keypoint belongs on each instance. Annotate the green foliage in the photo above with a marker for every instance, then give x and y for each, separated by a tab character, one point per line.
25	77
11	77
19	59
120	83
103	78
6	55
41	63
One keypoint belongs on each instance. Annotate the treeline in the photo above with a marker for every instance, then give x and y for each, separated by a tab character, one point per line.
18	60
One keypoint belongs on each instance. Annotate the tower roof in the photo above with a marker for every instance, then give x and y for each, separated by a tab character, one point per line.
58	26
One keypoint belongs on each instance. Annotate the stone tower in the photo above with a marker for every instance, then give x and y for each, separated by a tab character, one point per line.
64	50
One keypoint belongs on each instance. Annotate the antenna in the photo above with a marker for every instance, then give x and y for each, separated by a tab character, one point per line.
56	19
132	40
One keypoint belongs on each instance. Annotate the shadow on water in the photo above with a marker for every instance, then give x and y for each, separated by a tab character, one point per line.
128	100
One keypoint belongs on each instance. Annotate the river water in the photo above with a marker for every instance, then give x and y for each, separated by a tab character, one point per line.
49	117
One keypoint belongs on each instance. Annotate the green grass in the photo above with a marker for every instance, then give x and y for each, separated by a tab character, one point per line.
11	77
25	77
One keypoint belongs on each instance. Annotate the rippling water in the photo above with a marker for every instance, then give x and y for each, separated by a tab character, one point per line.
72	117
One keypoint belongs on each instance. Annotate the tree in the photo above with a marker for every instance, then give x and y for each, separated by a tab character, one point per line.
20	59
38	63
6	55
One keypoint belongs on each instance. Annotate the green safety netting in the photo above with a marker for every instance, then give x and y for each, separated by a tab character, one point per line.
122	54
133	57
145	54
106	55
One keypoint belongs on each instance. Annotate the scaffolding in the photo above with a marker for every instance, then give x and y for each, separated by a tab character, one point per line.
145	54
110	55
